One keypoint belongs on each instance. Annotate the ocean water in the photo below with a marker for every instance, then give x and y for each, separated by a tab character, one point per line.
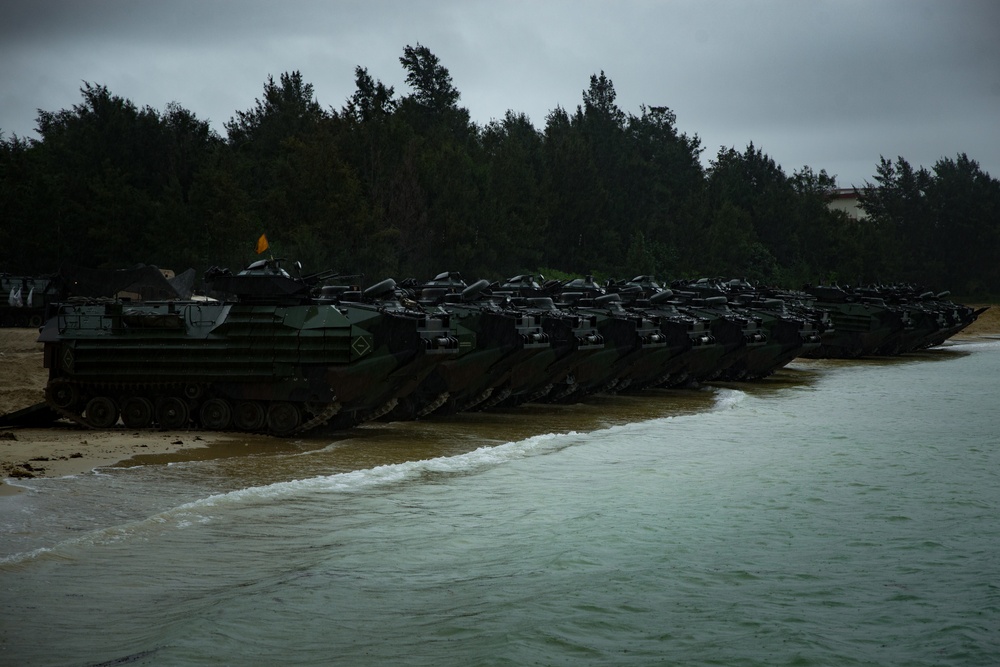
839	513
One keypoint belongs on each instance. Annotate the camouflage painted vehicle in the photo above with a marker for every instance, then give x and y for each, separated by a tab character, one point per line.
630	338
929	319
494	339
739	333
951	318
283	354
691	351
275	355
573	337
885	320
863	324
791	331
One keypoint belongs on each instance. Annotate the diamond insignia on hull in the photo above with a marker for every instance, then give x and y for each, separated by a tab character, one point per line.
68	359
361	346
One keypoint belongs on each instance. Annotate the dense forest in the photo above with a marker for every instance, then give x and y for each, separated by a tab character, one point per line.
407	186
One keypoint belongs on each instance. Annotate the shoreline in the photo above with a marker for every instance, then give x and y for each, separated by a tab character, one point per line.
66	449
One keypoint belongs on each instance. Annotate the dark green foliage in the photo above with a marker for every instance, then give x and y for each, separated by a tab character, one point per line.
513	224
940	226
665	182
107	185
408	186
433	90
287	110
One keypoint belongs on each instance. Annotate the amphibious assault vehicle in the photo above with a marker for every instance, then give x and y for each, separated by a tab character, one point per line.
281	353
573	338
884	320
274	355
495	340
776	332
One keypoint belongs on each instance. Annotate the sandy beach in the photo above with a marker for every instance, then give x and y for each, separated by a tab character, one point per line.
66	449
70	450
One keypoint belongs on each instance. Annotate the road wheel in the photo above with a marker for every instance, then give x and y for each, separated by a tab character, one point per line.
248	416
63	395
216	414
283	418
173	413
137	412
102	412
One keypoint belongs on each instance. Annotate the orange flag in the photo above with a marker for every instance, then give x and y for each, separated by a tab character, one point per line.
262	244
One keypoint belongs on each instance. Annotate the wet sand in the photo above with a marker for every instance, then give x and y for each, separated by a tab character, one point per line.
67	449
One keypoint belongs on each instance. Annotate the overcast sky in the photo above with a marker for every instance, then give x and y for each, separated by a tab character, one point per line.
829	84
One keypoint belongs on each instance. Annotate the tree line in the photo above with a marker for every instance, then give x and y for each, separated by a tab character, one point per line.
408	186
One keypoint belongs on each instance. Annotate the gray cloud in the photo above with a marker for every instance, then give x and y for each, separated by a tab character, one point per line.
829	84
